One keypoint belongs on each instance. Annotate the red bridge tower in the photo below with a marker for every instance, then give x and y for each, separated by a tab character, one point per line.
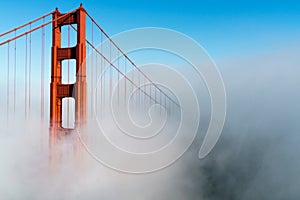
58	91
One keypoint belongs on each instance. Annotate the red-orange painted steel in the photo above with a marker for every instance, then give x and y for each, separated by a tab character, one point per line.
58	91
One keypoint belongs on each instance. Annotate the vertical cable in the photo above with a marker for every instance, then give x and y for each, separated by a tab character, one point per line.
160	102
29	72
110	73
68	100
88	71
150	96
42	70
146	86
96	74
131	85
145	89
15	72
7	89
102	90
92	67
155	95
118	65
26	56
125	80
139	89
165	97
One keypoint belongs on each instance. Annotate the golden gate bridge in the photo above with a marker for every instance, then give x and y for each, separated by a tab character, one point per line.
24	50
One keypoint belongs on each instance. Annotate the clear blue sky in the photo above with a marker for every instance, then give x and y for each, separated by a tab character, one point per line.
224	28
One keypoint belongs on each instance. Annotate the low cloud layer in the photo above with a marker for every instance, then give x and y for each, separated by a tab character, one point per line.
255	158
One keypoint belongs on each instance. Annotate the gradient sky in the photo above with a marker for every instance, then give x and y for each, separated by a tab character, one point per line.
223	28
256	46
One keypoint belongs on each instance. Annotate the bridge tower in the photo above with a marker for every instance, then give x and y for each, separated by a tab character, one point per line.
58	91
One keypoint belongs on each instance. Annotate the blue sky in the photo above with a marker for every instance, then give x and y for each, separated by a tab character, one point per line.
224	28
256	46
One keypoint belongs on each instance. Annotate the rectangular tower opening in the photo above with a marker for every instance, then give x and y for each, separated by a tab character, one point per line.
68	36
68	74
68	113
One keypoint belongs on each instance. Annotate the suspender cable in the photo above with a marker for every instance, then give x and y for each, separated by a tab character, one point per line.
26	56
150	90
145	88
87	63
68	103
7	89
102	76
29	72
96	73
42	72
165	103
15	71
110	73
91	68
138	92
131	86
125	63
160	101
155	94
96	83
118	77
